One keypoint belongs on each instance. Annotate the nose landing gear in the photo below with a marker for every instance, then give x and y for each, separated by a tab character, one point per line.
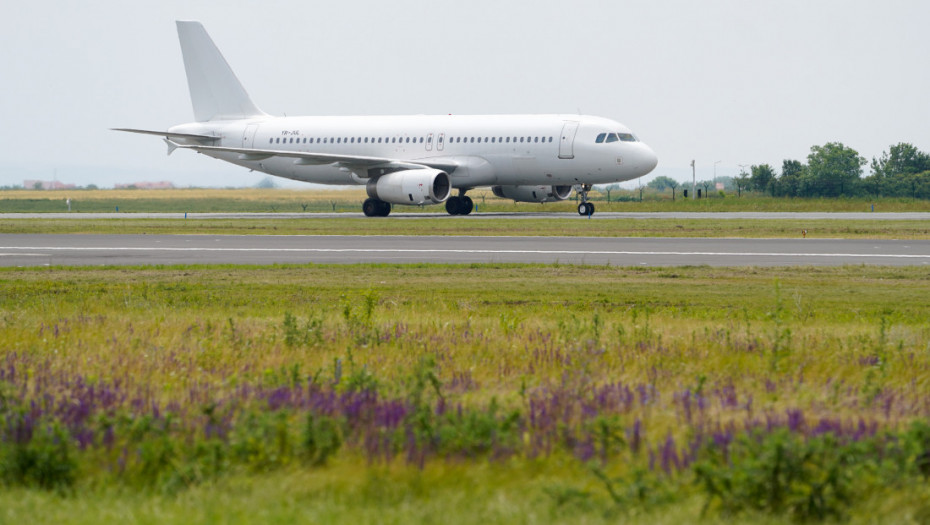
585	207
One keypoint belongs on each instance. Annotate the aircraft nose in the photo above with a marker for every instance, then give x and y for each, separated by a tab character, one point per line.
649	159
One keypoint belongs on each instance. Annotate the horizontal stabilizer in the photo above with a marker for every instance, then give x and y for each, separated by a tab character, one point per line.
190	136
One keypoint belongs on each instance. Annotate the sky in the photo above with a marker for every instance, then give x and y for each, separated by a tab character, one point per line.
732	81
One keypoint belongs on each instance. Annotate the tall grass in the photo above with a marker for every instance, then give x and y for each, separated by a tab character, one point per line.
630	388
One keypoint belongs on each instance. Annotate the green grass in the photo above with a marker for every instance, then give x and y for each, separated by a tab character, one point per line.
789	228
845	344
350	200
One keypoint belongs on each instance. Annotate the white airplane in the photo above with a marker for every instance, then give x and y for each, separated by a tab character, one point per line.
410	160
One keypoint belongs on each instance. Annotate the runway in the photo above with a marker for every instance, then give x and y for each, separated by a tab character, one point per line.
79	250
404	215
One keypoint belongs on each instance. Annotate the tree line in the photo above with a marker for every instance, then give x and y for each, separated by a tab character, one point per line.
833	170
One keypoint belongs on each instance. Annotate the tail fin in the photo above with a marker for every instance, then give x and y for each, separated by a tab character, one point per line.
216	93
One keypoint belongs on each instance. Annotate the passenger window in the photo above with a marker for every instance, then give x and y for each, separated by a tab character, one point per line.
493	140
600	138
521	139
535	139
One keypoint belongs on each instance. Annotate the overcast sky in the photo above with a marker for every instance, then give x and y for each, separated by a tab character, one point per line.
732	81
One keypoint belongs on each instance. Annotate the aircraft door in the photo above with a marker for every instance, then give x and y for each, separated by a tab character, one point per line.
441	142
248	136
566	143
429	142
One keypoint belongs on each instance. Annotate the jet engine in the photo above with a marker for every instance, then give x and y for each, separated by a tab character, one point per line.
420	186
533	193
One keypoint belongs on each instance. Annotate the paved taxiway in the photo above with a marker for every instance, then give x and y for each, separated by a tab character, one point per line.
43	250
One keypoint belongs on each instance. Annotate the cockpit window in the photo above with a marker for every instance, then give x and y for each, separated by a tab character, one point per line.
615	137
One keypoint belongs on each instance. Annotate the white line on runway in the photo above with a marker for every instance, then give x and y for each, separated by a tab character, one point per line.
438	250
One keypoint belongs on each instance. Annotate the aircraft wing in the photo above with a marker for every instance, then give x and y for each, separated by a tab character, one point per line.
355	162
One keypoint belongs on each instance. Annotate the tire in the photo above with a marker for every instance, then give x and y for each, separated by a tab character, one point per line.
454	206
590	208
385	209
467	206
583	209
371	208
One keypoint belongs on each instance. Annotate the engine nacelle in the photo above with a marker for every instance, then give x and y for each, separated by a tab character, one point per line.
533	193
423	186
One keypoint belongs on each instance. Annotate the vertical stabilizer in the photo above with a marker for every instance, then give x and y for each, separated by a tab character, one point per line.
216	93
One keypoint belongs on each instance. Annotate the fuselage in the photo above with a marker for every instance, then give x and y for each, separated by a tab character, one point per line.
484	150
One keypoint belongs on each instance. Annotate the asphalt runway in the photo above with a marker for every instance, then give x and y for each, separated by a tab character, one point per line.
78	250
403	215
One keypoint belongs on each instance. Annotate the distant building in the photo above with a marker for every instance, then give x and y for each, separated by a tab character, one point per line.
163	185
47	185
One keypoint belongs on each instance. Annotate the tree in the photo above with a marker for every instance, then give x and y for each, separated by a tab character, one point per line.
762	177
789	183
266	184
832	170
673	185
661	182
900	159
895	173
742	181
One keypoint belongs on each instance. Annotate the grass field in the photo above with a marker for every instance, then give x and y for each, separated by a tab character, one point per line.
350	200
464	394
781	228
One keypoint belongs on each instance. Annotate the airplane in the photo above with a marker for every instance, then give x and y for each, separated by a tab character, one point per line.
402	160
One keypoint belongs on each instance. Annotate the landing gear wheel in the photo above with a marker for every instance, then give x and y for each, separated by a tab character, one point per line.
376	208
467	205
454	205
385	209
586	208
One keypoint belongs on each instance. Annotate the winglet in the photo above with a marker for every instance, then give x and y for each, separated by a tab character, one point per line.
216	93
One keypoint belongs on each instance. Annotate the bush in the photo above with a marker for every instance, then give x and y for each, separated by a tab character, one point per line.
783	474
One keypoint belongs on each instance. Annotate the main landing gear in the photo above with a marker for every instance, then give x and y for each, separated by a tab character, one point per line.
460	205
376	208
585	207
